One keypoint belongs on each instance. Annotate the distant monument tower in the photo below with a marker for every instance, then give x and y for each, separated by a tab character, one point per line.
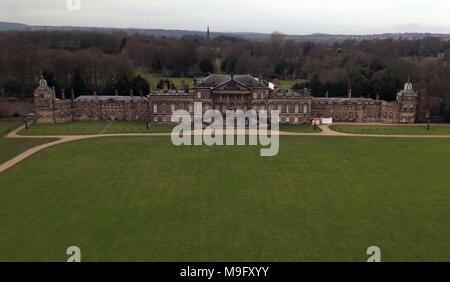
207	33
44	100
407	103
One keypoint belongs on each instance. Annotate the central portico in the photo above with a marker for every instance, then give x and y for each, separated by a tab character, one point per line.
224	92
231	92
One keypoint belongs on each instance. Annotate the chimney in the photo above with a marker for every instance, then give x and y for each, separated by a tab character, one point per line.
141	93
116	92
183	86
349	94
232	76
327	94
95	96
72	93
378	97
63	94
166	86
131	92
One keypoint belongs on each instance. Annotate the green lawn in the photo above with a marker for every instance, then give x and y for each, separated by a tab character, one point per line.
90	127
138	127
68	128
7	126
306	128
153	79
288	84
143	199
393	129
94	127
12	147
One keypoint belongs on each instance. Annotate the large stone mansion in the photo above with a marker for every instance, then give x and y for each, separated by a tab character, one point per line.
223	92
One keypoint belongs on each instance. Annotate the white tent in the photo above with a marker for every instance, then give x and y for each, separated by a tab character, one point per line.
326	121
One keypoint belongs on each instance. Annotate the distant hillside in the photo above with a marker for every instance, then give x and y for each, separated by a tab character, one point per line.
13	26
318	37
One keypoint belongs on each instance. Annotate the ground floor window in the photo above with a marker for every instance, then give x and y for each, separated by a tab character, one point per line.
305	108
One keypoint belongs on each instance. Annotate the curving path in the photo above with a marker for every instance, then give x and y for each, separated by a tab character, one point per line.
326	131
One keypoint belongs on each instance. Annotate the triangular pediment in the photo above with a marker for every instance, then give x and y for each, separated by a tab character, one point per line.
232	85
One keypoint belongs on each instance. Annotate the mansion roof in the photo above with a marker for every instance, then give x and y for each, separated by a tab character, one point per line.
342	100
215	80
90	98
293	94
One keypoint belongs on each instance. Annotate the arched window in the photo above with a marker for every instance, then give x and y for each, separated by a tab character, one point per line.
155	108
305	108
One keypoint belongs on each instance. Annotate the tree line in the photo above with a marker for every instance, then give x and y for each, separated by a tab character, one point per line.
105	62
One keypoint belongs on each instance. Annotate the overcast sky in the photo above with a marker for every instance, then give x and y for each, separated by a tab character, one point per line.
287	16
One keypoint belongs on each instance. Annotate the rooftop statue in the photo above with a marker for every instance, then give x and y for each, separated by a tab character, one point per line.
43	82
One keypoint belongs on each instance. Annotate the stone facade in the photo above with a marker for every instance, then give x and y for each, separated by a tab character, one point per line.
15	107
222	93
48	108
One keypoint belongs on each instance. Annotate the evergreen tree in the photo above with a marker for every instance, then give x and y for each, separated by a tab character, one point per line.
78	84
140	84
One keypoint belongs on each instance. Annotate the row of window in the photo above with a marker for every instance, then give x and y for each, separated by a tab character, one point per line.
282	108
255	95
282	119
351	115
